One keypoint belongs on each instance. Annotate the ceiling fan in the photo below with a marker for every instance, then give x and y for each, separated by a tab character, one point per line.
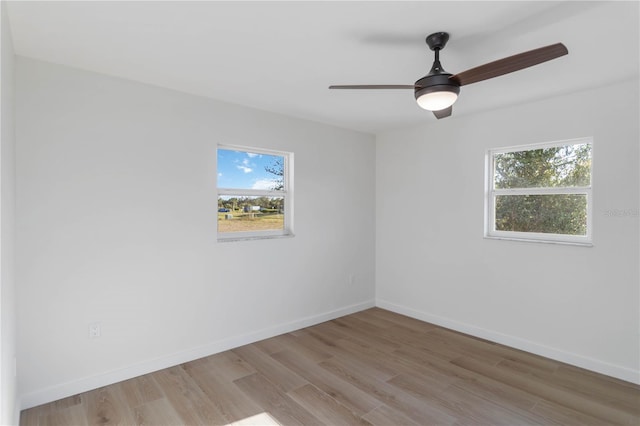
438	90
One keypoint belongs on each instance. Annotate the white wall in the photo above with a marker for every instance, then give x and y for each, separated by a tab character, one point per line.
116	217
576	304
9	404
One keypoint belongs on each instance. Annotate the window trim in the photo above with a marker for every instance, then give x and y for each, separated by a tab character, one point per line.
491	193
286	193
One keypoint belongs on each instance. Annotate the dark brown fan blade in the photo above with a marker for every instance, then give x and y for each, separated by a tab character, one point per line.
510	64
375	86
443	113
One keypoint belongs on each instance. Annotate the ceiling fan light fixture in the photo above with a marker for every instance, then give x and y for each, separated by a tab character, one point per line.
436	92
436	101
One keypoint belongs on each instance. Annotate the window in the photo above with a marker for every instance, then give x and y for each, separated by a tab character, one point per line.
540	192
255	193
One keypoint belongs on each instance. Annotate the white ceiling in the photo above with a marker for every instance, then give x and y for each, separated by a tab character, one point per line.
282	56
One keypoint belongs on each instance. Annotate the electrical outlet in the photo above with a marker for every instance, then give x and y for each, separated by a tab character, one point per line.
95	330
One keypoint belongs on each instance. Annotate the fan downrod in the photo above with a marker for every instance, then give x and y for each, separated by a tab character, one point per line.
437	41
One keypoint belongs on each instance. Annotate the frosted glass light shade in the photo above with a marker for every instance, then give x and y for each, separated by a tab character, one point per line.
435	101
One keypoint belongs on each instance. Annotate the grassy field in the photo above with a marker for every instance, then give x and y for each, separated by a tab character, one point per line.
242	222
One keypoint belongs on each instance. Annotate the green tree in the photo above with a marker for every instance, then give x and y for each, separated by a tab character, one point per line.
277	169
556	167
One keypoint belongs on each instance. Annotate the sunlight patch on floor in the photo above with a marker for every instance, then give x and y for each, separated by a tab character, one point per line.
262	419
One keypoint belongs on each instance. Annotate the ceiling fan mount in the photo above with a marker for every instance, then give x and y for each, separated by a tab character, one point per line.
438	90
437	41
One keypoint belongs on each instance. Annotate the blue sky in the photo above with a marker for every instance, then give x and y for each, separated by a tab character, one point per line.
245	170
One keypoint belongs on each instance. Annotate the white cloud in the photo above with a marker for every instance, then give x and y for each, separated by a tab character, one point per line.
220	174
264	184
246	166
253	155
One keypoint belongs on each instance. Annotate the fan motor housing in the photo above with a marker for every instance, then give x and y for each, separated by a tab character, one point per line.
436	83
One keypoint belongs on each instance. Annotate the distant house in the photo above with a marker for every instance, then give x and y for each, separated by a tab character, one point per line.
249	209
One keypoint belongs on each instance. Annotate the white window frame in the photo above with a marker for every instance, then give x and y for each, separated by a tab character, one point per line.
491	193
286	193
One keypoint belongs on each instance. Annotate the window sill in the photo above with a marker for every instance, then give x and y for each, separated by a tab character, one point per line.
254	237
534	240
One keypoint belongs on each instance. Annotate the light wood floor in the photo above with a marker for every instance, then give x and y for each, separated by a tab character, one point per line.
374	367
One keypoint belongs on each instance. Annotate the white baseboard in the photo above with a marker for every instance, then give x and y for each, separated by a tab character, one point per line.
602	367
74	387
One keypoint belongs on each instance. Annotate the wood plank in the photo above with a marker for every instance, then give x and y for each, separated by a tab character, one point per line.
623	395
282	377
388	365
627	390
275	402
139	390
557	414
315	341
402	320
465	406
609	395
325	408
348	395
533	385
397	336
491	352
227	399
386	416
105	408
303	345
187	398
226	366
422	363
330	332
355	328
262	419
427	360
75	415
42	413
272	345
446	345
156	413
68	402
368	317
368	357
419	410
498	392
31	417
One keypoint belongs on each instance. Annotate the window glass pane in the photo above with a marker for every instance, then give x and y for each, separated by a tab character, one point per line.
246	214
550	214
563	166
249	170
